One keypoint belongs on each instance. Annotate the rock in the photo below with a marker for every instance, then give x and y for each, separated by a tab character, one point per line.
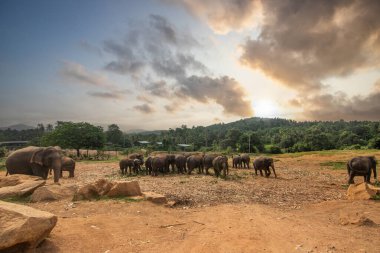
19	185
16	179
103	186
53	192
360	191
155	197
170	204
86	192
22	227
124	188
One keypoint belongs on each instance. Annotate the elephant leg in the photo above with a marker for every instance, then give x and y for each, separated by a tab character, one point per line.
61	173
351	179
71	173
274	172
255	171
261	172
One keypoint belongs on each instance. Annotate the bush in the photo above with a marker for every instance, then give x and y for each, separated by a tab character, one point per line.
273	149
3	151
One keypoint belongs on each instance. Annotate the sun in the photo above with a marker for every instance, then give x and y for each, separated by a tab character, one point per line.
265	108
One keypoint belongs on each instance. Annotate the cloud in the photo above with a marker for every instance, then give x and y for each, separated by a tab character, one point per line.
223	15
106	95
340	106
224	91
167	69
75	72
144	108
302	43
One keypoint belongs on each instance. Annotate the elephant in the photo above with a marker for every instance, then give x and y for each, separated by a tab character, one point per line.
148	165
220	163
131	164
194	161
137	156
35	161
236	162
207	161
180	162
68	164
264	163
361	166
158	164
245	160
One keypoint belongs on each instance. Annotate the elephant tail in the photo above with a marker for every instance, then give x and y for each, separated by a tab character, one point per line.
349	167
7	173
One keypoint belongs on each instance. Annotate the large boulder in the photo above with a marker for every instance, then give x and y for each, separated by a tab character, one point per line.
361	191
155	197
19	185
103	186
86	192
53	192
22	227
124	188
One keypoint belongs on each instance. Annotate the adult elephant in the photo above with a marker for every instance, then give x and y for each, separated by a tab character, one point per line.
264	163
207	161
180	163
245	160
35	161
136	156
236	161
158	164
148	165
131	164
362	166
220	164
194	161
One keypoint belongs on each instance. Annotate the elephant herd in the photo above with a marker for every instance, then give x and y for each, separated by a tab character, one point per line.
39	161
186	163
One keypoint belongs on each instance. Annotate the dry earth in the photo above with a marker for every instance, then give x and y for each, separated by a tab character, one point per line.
303	210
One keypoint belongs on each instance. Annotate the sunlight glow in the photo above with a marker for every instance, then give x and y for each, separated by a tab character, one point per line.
265	108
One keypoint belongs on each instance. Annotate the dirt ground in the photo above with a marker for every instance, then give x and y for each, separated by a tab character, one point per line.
304	210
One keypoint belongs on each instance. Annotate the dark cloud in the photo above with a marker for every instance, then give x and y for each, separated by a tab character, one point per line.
75	72
144	108
224	91
304	42
168	69
223	15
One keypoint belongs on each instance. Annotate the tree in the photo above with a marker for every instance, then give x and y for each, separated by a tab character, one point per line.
114	134
75	135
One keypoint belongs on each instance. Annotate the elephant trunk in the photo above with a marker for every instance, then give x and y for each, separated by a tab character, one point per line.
57	171
374	171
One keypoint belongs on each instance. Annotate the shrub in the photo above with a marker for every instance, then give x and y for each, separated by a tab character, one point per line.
273	149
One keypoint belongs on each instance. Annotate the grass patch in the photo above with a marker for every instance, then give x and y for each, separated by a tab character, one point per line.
335	165
18	199
2	163
376	197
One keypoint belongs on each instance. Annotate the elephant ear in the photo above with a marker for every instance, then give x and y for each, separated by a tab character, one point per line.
37	157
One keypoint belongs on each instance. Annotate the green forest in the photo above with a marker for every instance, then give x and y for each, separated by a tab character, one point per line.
263	135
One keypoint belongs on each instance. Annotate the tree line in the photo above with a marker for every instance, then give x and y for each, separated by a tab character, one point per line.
246	135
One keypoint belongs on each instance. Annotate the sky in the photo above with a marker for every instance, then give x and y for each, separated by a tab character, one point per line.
159	64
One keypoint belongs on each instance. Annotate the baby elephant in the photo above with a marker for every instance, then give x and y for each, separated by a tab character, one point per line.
220	164
131	164
67	164
264	163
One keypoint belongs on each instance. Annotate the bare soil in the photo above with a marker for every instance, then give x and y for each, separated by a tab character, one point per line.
304	210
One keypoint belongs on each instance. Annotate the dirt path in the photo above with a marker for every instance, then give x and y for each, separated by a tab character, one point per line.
116	226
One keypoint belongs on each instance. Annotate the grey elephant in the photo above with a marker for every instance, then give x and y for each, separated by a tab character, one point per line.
362	166
67	164
236	161
148	165
220	164
264	163
194	161
137	156
131	164
35	161
245	160
207	162
180	163
158	165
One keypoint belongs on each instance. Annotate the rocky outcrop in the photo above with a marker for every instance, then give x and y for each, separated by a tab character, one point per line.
19	185
53	192
22	227
103	187
361	191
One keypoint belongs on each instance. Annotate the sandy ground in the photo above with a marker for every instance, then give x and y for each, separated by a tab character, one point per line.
303	210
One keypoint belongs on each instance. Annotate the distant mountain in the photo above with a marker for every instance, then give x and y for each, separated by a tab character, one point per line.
18	127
